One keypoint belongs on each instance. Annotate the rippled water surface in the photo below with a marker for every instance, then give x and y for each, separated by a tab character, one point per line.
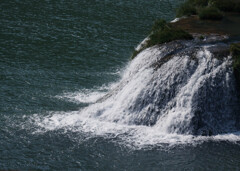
57	57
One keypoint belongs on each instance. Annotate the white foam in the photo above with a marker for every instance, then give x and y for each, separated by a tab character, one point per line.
175	20
142	44
136	136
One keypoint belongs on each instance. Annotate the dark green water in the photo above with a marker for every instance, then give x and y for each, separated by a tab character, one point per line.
69	49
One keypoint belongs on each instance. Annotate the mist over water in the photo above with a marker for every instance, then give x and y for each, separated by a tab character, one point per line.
69	95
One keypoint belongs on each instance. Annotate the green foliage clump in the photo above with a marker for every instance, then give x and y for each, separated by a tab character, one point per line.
200	3
168	34
135	53
226	5
159	24
190	7
235	51
201	37
162	32
193	7
210	13
186	9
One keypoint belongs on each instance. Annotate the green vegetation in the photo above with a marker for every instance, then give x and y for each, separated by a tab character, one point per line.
162	32
135	53
235	51
186	9
201	37
226	5
199	3
208	9
168	34
159	24
210	13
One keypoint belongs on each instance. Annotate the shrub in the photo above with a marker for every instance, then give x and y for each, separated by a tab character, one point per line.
226	5
210	13
159	24
167	35
200	3
235	50
162	32
191	7
186	9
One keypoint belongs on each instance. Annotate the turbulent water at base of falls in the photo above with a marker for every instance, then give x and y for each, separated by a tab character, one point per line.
168	93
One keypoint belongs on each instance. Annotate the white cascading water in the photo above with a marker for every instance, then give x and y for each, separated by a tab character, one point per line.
166	94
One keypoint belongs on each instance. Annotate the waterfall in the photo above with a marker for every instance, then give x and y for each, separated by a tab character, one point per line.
179	88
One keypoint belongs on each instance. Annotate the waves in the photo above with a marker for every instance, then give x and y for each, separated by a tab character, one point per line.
171	94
